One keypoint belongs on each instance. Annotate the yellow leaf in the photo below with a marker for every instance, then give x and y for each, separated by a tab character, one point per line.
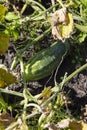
46	93
84	126
4	43
74	125
24	127
6	78
2	11
66	30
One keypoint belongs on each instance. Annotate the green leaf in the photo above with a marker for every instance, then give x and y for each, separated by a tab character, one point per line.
11	16
82	28
81	37
84	2
4	43
2	1
3	104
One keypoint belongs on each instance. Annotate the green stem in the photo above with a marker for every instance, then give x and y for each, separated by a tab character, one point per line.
60	2
44	12
56	88
22	71
53	3
11	92
32	115
35	40
35	2
21	66
74	73
34	105
25	105
24	7
14	63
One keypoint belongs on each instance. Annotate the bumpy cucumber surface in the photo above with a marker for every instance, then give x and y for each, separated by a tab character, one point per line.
45	62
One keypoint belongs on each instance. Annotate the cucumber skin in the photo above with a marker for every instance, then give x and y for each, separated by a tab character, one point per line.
45	62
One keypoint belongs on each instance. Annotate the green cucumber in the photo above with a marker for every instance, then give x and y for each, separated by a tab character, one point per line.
46	61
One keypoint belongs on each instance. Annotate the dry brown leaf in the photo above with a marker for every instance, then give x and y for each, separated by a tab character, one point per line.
62	24
5	119
59	17
63	123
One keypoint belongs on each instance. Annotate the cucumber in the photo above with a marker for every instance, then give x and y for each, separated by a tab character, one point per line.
45	62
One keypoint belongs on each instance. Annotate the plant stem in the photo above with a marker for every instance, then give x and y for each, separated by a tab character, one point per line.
35	40
60	2
25	105
32	115
53	3
11	92
44	12
24	7
34	105
74	73
56	88
35	2
15	61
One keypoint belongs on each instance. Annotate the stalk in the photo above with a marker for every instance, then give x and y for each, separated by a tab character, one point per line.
35	40
56	88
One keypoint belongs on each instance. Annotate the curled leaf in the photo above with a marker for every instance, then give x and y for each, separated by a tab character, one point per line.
62	24
6	78
4	43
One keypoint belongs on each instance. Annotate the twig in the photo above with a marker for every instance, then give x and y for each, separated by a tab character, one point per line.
24	7
53	3
34	105
32	115
15	124
60	2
